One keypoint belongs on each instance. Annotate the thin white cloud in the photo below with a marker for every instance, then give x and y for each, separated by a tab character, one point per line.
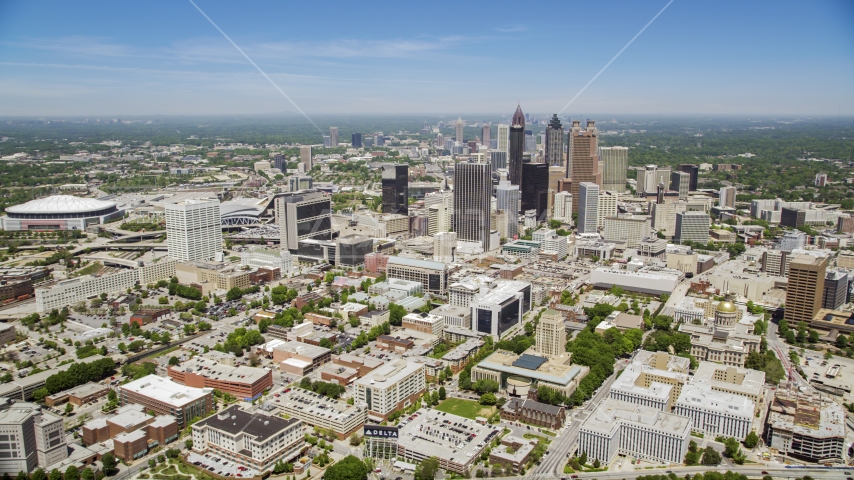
511	28
76	45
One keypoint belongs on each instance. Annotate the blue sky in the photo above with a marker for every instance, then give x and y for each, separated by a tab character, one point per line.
163	57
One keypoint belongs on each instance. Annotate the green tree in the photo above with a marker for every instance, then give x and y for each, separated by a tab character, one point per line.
348	468
751	440
109	461
55	474
173	361
711	457
69	408
427	469
442	393
488	399
38	474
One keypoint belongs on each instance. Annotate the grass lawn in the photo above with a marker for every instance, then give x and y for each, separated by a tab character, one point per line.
164	352
465	408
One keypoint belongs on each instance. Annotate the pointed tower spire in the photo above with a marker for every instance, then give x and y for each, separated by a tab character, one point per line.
518	117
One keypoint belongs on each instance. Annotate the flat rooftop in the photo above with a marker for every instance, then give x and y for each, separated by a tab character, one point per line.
299	348
556	373
389	374
613	412
446	436
702	396
735	379
165	390
320	406
219	371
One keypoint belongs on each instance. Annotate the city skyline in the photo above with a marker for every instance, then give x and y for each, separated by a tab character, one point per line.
679	65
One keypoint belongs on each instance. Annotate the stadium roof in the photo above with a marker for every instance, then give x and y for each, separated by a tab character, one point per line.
61	204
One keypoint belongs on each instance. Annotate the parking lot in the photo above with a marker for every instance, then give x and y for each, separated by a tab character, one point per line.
220	466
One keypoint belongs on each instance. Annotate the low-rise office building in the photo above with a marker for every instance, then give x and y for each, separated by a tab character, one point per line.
806	425
133	431
247	383
520	374
34	438
297	358
653	379
424	322
85	393
457	442
166	397
23	388
253	439
320	411
619	427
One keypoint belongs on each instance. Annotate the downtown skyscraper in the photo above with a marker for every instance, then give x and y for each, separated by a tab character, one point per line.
395	184
507	200
458	130
615	163
535	189
333	136
485	135
554	142
583	162
517	146
472	202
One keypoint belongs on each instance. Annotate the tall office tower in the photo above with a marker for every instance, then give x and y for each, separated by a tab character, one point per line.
806	287
459	128
583	157
507	200
694	172
327	142
305	156
681	182
485	135
563	207
356	140
472	201
194	229
551	334
395	184
503	138
607	206
498	159
835	290
535	188
615	163
659	194
333	136
279	163
445	247
530	142
820	179
792	240
517	146
588	207
379	140
726	197
302	215
554	142
693	226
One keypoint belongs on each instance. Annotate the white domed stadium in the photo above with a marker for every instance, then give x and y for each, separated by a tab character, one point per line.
59	212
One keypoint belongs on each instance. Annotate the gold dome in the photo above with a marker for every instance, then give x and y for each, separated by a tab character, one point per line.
726	307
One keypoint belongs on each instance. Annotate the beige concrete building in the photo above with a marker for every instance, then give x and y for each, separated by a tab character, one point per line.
551	334
805	289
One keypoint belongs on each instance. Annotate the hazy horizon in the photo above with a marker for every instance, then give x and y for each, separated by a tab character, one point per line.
165	58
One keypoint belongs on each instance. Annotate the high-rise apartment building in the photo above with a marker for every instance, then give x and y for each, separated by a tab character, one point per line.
583	164
503	138
194	229
588	207
302	215
517	147
472	202
726	197
507	199
694	172
485	135
356	140
498	159
459	128
693	226
535	188
395	183
615	164
445	247
391	387
333	136
681	182
305	156
551	334
554	142
607	206
806	288
628	228
651	177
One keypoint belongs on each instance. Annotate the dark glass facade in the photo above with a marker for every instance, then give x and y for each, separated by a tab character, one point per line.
535	188
508	315
395	183
484	321
352	252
